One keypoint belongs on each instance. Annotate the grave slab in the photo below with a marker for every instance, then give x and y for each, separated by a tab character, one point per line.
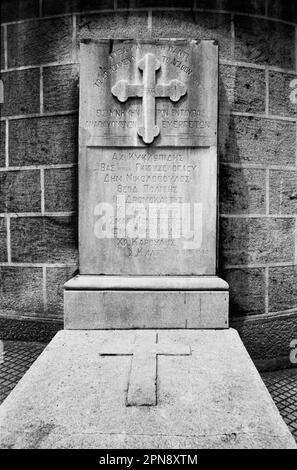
176	389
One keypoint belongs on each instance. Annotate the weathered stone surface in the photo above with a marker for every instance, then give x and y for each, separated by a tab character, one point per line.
282	288
61	188
113	25
247	290
43	239
20	290
46	41
224	405
60	88
256	240
55	279
13	10
3	240
196	25
264	42
244	88
21	92
283	192
242	190
20	191
283	9
279	94
43	141
2	143
256	140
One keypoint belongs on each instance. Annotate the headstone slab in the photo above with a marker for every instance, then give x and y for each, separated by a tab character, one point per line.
200	390
147	178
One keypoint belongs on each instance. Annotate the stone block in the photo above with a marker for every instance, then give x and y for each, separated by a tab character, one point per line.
21	291
182	24
255	140
44	239
2	142
3	240
279	94
55	279
43	141
109	302
244	88
242	190
283	192
282	288
247	291
60	88
21	89
45	40
20	191
61	188
113	25
256	240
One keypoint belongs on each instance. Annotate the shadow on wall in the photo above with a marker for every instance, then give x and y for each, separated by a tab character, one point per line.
246	284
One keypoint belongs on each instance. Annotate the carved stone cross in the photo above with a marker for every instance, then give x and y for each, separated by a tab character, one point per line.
142	384
148	91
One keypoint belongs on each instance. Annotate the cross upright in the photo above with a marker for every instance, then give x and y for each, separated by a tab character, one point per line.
148	91
142	384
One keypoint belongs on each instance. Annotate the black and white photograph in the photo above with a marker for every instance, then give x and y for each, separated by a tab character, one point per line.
148	229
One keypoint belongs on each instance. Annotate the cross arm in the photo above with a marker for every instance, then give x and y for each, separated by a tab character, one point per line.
123	90
174	90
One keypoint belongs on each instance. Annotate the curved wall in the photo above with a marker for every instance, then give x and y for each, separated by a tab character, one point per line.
257	138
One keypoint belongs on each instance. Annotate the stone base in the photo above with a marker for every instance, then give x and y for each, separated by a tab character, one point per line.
208	394
115	302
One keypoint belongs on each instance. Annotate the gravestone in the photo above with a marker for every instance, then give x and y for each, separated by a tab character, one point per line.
148	187
146	359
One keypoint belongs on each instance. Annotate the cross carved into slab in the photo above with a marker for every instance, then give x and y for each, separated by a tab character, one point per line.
142	384
149	91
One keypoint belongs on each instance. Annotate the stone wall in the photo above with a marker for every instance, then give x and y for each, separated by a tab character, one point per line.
258	167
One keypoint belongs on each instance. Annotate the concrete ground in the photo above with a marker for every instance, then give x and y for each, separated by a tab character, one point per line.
17	356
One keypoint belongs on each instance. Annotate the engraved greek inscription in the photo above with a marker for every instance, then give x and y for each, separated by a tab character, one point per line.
178	52
104	73
177	63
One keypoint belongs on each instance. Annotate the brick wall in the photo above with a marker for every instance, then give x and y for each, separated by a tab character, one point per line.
258	165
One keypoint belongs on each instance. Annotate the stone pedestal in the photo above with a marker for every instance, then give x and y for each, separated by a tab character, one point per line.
178	389
109	302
